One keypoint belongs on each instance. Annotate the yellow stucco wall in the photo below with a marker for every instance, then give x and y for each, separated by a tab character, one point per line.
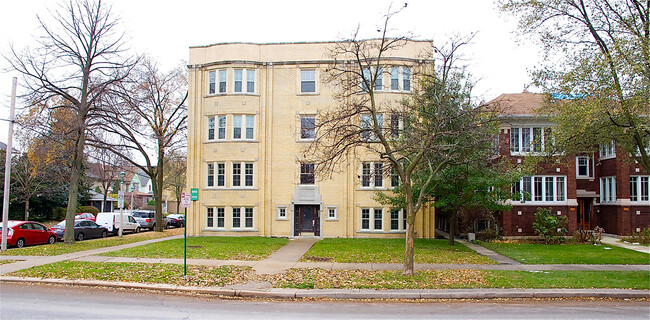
276	149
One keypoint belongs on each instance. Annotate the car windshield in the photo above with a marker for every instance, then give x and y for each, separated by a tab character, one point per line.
140	214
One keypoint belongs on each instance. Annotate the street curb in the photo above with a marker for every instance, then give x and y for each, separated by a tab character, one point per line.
408	294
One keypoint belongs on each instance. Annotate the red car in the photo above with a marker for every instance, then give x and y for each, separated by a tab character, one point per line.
24	233
87	216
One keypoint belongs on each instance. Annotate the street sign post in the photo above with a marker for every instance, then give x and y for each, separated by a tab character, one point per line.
120	204
185	202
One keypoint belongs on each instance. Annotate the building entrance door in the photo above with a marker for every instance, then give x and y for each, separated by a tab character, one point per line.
584	213
306	219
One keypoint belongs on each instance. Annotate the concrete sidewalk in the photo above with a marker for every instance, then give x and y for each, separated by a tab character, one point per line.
612	241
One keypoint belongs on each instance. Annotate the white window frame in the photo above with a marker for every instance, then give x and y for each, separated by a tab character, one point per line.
368	73
244	75
210	173
401	220
246	125
372	175
243	166
212	82
281	212
305	117
222	78
366	123
215	217
371	219
607	151
401	75
212	170
640	189
331	213
608	189
313	173
532	184
303	73
526	146
243	218
587	160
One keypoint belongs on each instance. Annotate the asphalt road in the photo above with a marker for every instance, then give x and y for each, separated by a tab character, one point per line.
19	301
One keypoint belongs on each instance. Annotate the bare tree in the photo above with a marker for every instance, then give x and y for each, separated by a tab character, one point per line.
175	175
155	112
438	125
106	166
79	55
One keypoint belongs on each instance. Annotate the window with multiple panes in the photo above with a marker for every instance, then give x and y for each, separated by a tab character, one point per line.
244	79
242	171
406	79
248	174
394	178
372	174
212	79
243	127
396	126
369	74
210	180
223	76
367	126
529	139
308	80
282	212
307	127
639	188
400	79
541	189
221	217
332	213
217	125
394	78
397	220
236	217
210	217
242	218
307	173
608	189
250	81
582	167
215	84
607	150
372	219
236	174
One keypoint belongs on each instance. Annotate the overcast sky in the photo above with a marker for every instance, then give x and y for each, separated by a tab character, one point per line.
166	29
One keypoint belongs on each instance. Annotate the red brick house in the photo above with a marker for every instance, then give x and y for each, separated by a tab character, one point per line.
604	189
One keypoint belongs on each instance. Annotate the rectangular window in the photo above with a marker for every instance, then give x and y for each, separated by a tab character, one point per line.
239	78
394	78
406	79
211	128
282	212
221	174
308	80
378	219
525	140
365	174
608	190
210	216
366	127
379	174
236	217
514	140
607	150
210	174
212	82
541	189
640	188
307	173
537	140
250	126
582	166
366	78
394	219
331	213
379	80
395	126
236	127
236	174
365	219
248	172
222	127
394	178
221	217
248	223
307	127
250	81
223	74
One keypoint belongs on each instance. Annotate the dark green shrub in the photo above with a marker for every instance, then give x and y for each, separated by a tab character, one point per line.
58	213
91	209
549	226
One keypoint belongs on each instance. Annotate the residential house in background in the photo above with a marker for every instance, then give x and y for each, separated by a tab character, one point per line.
253	109
605	189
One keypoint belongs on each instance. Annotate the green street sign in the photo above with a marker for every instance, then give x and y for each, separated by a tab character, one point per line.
194	193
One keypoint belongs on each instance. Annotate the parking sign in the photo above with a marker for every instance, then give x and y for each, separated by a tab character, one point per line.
185	200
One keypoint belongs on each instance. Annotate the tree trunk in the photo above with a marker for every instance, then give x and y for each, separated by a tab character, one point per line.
452	228
73	194
157	183
409	237
27	210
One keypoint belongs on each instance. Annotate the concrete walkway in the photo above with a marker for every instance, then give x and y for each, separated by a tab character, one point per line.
612	241
286	257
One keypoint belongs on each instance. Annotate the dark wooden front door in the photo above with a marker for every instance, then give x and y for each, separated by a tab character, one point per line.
584	214
306	219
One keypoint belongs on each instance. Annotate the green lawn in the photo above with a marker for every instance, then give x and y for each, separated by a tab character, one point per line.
313	278
62	248
567	253
219	248
391	251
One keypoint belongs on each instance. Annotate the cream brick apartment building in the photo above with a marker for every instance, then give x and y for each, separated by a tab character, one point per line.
252	111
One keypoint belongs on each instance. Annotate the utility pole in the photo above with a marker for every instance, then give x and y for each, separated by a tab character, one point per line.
5	202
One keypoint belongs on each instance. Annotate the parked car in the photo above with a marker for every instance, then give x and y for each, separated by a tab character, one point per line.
86	215
111	220
26	233
176	220
83	229
147	219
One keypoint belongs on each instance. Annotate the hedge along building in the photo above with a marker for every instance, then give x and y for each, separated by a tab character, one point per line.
252	113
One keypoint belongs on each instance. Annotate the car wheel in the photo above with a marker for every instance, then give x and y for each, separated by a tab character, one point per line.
51	240
80	236
104	234
181	225
116	231
20	243
137	229
167	226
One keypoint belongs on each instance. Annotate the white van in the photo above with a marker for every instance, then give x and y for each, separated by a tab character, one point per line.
111	220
